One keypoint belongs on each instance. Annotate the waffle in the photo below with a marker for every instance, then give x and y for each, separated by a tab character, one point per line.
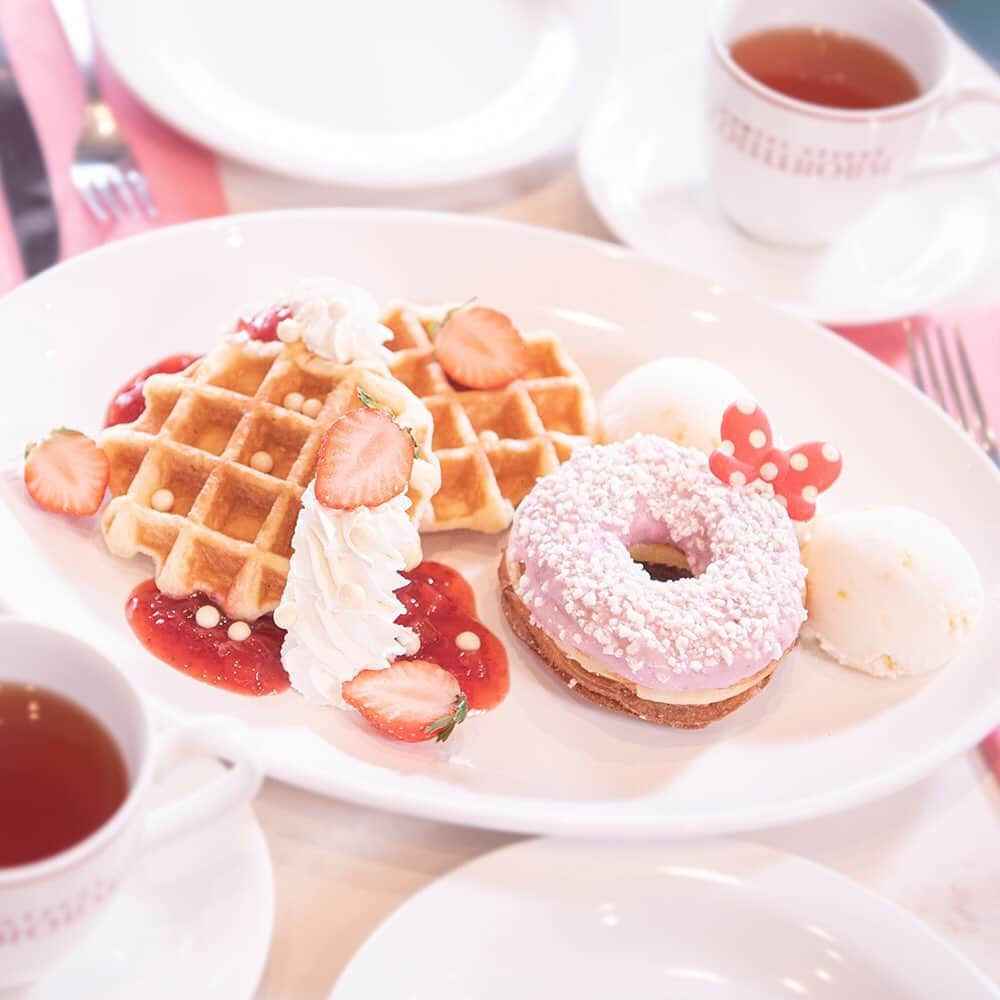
494	444
229	532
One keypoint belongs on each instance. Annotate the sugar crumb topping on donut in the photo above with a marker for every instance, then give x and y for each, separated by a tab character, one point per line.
741	610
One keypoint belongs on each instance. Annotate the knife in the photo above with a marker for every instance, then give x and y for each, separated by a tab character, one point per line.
24	177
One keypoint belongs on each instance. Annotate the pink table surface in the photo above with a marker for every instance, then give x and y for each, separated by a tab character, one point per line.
183	176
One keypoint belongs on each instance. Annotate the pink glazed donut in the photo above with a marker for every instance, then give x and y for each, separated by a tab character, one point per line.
682	652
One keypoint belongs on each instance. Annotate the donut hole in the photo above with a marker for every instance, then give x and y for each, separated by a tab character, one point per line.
662	561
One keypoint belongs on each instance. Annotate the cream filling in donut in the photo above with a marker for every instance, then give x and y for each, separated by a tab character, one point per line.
666	555
670	697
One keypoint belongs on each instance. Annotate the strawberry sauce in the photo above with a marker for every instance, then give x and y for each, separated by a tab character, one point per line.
129	402
440	607
264	325
166	626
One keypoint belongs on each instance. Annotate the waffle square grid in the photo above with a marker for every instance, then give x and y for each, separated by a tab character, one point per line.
494	444
229	532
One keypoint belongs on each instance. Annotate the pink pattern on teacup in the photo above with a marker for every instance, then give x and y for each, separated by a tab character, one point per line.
797	159
32	925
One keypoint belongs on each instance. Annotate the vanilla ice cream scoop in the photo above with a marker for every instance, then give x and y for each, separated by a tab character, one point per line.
890	591
680	398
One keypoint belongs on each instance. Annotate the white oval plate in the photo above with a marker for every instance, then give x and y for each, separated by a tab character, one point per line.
548	918
819	739
385	93
193	919
642	165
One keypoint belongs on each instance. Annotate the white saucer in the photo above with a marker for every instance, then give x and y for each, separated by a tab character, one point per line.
556	918
385	93
193	920
642	165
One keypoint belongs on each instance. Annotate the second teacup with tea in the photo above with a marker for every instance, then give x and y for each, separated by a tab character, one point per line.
815	111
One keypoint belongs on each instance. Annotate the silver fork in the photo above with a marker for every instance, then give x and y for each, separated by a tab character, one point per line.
964	402
104	172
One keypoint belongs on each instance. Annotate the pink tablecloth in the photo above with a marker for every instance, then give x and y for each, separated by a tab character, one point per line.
181	174
980	330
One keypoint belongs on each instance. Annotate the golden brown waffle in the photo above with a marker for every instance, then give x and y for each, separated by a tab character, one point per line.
229	532
494	444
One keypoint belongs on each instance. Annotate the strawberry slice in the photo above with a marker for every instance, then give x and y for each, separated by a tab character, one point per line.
412	700
365	459
66	473
480	348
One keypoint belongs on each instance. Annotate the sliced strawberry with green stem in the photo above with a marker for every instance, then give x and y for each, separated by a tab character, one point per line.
481	348
365	459
411	700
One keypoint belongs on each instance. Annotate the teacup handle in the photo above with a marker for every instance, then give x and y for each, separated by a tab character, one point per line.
969	160
213	738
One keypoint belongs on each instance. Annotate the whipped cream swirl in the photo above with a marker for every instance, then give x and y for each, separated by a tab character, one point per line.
337	320
339	605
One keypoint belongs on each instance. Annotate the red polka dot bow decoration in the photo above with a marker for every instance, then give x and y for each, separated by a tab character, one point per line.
747	452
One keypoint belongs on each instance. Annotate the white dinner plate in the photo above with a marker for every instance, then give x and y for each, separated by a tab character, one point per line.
548	918
642	164
192	920
384	93
818	739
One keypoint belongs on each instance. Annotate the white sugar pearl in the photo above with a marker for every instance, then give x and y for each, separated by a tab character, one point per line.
830	453
757	438
489	436
238	631
468	642
809	494
410	643
746	406
162	500
727	448
294	401
261	461
737	479
769	472
207	616
799	462
285	616
311	407
288	331
782	500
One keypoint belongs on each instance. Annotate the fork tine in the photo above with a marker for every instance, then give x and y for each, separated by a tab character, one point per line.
931	367
949	373
123	191
989	438
102	192
94	206
141	188
911	347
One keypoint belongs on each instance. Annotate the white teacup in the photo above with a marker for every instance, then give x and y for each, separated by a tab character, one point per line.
46	906
797	174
